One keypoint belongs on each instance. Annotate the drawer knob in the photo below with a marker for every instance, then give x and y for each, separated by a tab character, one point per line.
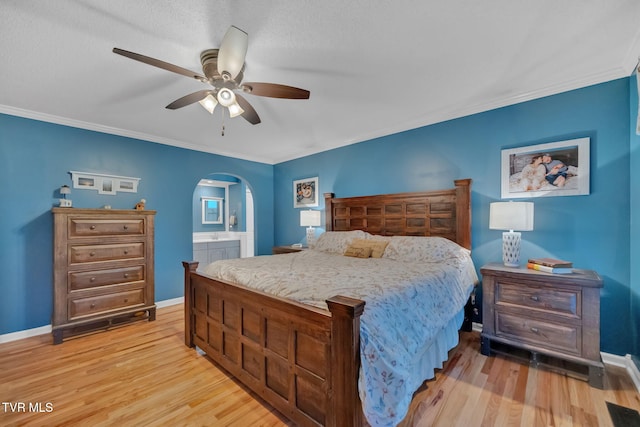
93	227
126	252
126	227
535	330
93	279
126	300
534	298
126	275
92	254
92	306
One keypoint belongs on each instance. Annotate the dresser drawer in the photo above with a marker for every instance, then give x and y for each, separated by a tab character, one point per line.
565	338
95	253
567	303
87	227
114	276
81	307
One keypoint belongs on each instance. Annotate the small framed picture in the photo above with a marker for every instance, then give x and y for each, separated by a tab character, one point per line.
553	169
107	187
305	193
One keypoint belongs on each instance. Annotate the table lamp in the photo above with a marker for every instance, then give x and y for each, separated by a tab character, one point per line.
64	202
310	219
514	217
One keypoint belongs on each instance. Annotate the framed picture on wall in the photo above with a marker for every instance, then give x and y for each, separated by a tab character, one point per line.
305	193
553	169
105	184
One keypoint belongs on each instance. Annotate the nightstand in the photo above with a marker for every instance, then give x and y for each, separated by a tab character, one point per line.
276	250
553	320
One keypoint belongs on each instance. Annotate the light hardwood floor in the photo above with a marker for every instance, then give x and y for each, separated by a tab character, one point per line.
144	375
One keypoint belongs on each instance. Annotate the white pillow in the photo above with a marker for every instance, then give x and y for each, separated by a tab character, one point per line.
337	241
421	249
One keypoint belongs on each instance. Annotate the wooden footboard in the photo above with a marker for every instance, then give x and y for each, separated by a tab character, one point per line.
302	360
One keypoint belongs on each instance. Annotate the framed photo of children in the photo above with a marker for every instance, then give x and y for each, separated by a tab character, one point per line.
305	193
553	169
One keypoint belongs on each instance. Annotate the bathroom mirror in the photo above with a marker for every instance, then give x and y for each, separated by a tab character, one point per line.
212	210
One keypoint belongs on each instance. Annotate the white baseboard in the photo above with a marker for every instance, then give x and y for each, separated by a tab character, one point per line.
626	363
168	302
42	330
15	336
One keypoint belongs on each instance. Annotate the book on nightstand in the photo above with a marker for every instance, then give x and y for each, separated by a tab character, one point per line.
547	269
551	262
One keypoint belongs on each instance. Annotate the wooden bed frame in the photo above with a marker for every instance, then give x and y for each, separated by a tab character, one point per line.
302	360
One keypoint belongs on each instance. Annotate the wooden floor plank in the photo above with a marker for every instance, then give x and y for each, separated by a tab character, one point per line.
143	374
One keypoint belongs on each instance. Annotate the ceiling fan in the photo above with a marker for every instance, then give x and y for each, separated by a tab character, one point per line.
223	70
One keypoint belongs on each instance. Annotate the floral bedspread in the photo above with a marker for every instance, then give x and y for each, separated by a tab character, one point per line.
407	305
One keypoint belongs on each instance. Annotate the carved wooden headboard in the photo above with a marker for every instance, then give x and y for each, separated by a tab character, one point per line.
444	213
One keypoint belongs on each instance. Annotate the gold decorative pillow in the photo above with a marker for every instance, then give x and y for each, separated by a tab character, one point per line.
377	246
358	251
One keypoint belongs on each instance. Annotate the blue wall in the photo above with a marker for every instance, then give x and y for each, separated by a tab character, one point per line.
634	149
592	231
35	158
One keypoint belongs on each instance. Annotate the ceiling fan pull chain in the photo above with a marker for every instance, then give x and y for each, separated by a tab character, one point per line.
223	122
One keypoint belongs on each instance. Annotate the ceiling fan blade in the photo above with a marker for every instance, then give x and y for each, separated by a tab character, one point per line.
249	113
233	50
188	99
274	90
160	64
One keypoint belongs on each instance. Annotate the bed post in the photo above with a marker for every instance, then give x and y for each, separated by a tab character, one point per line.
328	211
463	212
189	267
345	408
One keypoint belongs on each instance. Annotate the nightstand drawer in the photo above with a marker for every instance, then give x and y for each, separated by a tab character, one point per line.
553	300
566	338
103	303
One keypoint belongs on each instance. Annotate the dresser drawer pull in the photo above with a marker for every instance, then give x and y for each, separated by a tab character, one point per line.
93	227
126	252
126	227
92	306
534	298
92	254
535	330
126	275
93	279
126	300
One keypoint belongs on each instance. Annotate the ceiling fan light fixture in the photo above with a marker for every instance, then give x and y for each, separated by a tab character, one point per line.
235	110
209	103
226	97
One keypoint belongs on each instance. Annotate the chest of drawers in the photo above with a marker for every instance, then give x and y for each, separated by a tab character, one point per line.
554	317
103	269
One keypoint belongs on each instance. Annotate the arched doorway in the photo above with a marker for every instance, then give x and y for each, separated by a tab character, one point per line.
223	219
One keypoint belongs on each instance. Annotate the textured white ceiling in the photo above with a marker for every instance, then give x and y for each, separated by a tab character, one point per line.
373	68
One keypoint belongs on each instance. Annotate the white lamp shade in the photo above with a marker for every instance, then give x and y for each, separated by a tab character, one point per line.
511	216
209	103
235	110
310	218
65	190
